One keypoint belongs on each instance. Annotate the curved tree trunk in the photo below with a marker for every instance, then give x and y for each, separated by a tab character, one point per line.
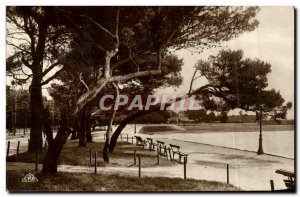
122	125
129	119
109	127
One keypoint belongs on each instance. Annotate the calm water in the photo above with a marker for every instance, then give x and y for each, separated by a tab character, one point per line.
274	142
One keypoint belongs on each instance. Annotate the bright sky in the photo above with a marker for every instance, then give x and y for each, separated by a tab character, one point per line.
272	42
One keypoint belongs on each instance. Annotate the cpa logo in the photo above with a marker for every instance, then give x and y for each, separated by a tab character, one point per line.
29	178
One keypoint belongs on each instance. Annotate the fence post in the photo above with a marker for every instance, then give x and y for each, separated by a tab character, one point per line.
169	150
132	139
18	146
127	137
90	156
272	185
7	151
184	167
104	136
134	157
227	173
139	165
121	137
36	160
95	162
166	152
157	157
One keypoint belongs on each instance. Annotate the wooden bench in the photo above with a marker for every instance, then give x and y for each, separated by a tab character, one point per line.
290	182
140	141
151	144
176	150
162	148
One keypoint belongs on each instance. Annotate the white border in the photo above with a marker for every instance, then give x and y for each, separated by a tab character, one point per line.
3	4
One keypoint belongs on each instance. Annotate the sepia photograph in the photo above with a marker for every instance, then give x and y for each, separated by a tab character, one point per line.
150	98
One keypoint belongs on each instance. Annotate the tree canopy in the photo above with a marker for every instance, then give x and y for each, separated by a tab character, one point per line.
234	80
97	50
127	34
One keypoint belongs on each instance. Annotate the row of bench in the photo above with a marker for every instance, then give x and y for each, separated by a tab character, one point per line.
162	149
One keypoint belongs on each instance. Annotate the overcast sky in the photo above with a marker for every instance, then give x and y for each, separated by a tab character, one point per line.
272	41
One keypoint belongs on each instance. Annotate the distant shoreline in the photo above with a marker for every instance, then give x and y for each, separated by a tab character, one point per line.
214	127
237	128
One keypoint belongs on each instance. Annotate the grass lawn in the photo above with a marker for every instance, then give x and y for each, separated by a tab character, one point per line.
104	182
123	155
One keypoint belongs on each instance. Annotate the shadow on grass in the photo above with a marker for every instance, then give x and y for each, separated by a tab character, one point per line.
72	154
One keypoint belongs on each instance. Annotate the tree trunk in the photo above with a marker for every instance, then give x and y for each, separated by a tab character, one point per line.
129	119
109	127
105	152
55	145
122	125
54	150
85	127
75	130
35	89
36	122
51	160
88	129
82	129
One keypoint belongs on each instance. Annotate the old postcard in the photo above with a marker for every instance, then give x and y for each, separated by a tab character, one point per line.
150	98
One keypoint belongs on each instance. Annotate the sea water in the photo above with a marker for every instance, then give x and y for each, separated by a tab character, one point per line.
274	142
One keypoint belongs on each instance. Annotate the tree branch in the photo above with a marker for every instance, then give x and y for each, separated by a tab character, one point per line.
28	75
14	75
82	81
100	26
134	75
84	33
130	57
46	71
124	61
116	88
17	47
25	62
192	81
52	77
88	96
